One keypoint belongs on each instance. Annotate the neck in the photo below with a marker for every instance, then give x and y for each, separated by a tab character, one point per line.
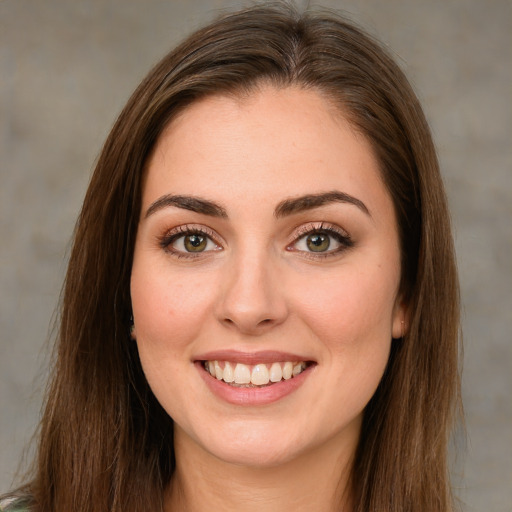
317	480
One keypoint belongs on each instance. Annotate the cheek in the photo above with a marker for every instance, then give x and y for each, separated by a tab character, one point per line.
168	310
350	315
350	310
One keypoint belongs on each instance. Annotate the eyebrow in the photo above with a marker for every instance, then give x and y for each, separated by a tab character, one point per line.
283	209
309	202
192	203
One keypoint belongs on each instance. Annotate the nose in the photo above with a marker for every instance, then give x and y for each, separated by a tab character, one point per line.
252	297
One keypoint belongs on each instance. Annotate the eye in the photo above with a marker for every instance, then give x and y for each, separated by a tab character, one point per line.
320	240
185	241
194	242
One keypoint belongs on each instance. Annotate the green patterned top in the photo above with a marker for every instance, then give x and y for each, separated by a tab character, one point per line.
14	505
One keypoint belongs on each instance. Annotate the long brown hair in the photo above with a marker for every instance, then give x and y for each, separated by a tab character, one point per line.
105	442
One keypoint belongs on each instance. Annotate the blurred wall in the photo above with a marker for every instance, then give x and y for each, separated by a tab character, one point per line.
66	69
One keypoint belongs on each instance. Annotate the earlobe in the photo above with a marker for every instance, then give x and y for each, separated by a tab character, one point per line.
132	328
400	320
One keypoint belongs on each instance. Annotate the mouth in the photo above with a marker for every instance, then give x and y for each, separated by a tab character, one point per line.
253	378
259	375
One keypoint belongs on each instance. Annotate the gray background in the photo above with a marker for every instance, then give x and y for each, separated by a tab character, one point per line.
66	69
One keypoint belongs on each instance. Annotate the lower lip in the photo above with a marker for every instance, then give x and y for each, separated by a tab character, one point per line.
252	396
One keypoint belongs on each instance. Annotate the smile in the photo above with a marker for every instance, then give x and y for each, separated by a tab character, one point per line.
256	375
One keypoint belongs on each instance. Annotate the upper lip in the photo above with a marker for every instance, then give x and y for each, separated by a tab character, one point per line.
250	358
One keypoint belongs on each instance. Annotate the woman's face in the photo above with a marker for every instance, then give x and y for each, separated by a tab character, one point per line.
267	245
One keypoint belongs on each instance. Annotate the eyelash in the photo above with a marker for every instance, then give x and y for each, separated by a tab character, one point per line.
341	237
175	234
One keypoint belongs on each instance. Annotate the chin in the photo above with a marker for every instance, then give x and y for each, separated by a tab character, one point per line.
261	455
254	447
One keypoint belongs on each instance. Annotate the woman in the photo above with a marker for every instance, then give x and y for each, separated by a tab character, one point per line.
261	305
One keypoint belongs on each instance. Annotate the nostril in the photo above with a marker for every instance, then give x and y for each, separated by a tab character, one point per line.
252	327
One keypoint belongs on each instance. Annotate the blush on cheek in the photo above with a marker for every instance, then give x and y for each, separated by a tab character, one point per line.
335	309
355	325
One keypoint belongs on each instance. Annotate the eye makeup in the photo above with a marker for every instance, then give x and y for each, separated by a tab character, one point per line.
314	240
189	241
319	240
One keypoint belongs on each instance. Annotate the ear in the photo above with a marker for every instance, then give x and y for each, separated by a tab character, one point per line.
400	325
133	335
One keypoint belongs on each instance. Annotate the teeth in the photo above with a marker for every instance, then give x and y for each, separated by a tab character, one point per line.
297	369
229	376
242	374
257	375
287	370
276	372
218	371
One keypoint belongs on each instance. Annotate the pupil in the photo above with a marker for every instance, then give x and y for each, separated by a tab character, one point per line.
318	242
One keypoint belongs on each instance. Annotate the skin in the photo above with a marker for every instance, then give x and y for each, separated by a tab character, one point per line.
258	286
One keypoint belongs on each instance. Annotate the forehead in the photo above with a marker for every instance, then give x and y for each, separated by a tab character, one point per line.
273	143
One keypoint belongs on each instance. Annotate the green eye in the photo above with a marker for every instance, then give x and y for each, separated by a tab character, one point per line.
318	242
189	242
195	243
321	241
